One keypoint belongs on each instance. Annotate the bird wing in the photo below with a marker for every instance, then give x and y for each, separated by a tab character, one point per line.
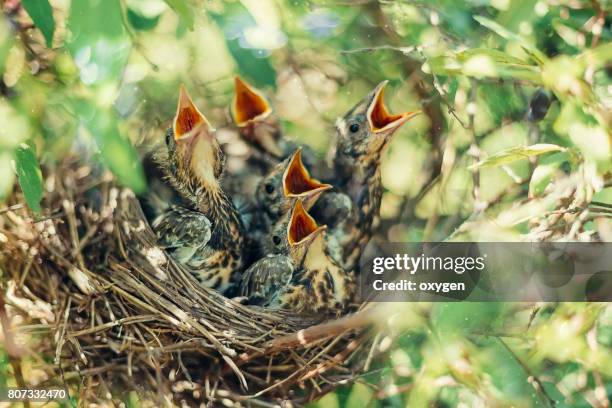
183	232
266	277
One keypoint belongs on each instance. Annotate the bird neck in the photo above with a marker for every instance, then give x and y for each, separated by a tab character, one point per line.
357	177
361	181
219	209
316	255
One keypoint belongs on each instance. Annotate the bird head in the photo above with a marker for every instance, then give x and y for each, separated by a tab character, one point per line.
367	128
252	114
287	182
195	157
302	231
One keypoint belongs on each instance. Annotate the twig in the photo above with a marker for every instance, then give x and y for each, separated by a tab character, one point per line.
323	331
403	50
599	22
474	149
11	208
539	386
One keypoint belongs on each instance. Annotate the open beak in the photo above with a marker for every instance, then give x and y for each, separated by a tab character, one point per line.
249	105
298	183
189	121
302	228
379	118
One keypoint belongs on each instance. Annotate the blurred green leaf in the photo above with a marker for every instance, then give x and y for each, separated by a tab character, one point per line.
557	396
480	62
360	396
576	123
516	153
604	327
132	400
6	42
544	173
184	10
569	35
4	369
498	57
454	319
539	57
116	151
329	400
564	75
501	101
41	13
140	22
29	176
597	57
98	42
250	64
506	372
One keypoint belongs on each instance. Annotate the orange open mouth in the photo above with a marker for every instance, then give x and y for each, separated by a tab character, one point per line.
248	104
297	181
301	225
188	117
379	117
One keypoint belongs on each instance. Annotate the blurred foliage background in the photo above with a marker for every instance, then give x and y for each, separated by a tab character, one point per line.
515	143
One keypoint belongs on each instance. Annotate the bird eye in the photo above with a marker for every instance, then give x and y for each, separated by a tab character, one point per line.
269	188
354	127
276	239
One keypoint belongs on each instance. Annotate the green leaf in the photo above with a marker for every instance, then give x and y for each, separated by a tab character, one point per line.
604	328
41	13
7	39
116	151
99	45
481	62
29	176
184	10
257	68
140	22
539	57
499	57
541	178
132	400
516	153
4	369
361	396
506	373
597	57
453	319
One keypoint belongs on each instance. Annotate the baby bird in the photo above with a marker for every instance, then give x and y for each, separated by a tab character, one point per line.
261	133
299	274
274	196
362	136
287	182
207	239
252	114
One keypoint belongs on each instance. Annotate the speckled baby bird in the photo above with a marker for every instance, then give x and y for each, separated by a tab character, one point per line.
288	181
252	114
207	236
362	136
299	273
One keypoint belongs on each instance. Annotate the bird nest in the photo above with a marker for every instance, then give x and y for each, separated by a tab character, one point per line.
117	315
